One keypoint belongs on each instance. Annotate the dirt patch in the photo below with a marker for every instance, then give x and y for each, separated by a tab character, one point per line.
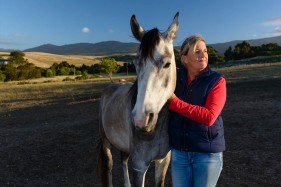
53	144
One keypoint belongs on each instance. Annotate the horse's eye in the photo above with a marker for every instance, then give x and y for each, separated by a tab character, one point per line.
167	65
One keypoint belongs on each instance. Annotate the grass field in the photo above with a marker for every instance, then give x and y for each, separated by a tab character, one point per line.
45	60
48	131
44	88
251	71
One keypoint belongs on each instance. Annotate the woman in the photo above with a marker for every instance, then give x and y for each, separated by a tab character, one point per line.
196	126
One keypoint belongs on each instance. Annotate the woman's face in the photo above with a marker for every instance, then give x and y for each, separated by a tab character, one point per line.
197	57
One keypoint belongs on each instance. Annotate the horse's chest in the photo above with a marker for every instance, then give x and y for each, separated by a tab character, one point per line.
156	148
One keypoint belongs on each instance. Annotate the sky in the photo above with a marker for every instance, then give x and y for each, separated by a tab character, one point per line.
30	23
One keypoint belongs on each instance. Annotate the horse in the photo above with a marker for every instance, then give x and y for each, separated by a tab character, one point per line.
133	117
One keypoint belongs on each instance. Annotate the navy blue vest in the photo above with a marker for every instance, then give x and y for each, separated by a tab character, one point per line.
188	135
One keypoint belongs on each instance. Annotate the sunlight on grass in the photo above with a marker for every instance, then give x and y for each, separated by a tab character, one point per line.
16	95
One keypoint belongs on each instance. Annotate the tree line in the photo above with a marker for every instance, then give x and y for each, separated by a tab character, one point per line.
19	68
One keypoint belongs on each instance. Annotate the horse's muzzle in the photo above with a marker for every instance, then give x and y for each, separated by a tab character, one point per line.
143	122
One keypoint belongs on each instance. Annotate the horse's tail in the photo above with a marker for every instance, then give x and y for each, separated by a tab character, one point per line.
102	165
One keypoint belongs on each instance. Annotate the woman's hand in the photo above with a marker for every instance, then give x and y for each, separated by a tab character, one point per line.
171	98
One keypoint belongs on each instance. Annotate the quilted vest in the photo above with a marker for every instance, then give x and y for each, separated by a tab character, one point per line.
188	135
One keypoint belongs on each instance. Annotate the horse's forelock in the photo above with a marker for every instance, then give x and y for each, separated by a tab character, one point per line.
148	44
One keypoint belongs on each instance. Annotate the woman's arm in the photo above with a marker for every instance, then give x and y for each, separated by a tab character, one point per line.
203	114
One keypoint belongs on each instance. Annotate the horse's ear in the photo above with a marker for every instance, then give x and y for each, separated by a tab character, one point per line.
171	32
137	30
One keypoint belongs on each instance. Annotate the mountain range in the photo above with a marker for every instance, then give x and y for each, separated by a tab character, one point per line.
222	47
116	47
101	48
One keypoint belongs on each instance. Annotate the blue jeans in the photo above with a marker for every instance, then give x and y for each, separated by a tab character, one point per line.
192	169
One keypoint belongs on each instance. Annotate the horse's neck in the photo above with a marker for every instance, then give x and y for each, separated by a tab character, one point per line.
132	93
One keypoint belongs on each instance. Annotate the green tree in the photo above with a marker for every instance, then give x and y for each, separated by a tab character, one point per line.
78	72
17	57
214	57
28	71
36	73
85	75
108	66
49	73
53	70
242	50
64	64
63	70
228	54
270	49
10	72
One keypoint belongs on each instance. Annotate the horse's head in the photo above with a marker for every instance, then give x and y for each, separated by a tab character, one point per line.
156	70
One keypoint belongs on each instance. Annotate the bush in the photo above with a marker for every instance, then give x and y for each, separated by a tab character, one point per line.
68	79
78	72
49	73
85	75
63	71
10	72
2	76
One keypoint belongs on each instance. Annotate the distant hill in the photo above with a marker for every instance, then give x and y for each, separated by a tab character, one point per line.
115	47
101	48
221	47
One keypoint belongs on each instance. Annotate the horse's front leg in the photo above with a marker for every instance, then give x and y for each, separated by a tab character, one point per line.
161	167
139	169
125	158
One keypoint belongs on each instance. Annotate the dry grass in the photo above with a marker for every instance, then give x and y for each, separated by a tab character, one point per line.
251	72
45	89
38	92
46	59
14	96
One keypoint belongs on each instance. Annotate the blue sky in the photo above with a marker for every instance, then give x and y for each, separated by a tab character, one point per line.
29	23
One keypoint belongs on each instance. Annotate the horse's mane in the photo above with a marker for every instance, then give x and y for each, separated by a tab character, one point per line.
148	43
132	93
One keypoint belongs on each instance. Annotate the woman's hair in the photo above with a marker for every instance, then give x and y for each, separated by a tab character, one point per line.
188	42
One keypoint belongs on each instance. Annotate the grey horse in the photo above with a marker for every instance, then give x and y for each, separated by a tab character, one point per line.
134	116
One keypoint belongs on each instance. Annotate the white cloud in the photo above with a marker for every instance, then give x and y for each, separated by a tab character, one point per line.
277	31
275	22
85	30
272	22
265	34
20	36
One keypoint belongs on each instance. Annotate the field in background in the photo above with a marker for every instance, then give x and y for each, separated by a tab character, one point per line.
45	60
49	131
251	71
20	90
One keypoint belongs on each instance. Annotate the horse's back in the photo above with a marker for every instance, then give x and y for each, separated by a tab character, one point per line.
115	109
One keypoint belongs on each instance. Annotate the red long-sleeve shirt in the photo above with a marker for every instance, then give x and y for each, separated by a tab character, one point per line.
203	114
